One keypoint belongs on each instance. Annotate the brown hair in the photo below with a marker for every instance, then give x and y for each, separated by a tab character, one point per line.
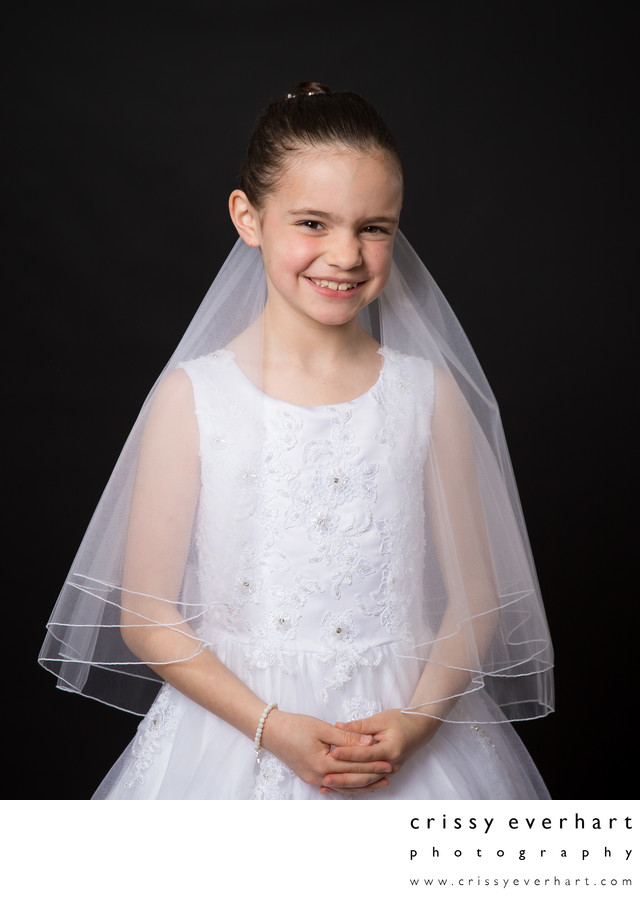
309	115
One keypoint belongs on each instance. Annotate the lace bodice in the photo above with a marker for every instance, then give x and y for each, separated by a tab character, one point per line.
327	521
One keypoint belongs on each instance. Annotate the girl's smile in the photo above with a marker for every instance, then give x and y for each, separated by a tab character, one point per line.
331	287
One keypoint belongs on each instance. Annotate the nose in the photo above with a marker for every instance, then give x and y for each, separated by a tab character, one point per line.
344	251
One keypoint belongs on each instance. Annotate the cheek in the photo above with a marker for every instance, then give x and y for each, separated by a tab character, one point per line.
287	258
380	260
298	256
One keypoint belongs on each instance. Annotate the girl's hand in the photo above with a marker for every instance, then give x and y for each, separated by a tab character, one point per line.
396	736
305	743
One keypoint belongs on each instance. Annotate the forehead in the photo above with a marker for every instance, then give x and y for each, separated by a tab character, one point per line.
342	175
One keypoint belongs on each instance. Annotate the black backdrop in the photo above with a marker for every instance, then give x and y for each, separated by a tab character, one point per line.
125	132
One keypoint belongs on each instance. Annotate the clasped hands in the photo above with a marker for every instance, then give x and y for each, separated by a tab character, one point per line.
348	758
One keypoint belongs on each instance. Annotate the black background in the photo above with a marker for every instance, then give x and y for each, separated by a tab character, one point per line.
124	132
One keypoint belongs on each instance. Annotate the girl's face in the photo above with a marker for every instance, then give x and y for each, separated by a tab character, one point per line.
326	233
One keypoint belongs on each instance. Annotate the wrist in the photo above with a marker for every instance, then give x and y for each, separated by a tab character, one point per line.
421	727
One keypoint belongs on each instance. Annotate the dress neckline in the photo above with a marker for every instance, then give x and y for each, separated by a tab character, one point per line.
232	357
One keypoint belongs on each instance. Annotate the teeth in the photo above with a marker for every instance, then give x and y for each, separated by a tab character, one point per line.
335	285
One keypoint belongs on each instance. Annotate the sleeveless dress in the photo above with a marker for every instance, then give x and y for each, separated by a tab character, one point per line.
315	612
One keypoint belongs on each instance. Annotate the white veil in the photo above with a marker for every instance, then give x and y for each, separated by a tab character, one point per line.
484	622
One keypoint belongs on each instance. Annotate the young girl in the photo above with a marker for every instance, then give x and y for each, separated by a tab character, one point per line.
313	535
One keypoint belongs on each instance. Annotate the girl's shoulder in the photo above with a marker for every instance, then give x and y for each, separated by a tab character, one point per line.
218	385
207	365
414	369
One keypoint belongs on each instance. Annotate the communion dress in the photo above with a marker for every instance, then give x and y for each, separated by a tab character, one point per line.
325	596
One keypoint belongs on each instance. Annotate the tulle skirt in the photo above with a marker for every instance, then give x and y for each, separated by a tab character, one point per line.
181	751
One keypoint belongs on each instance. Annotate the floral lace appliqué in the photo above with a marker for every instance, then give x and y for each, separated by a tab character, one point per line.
390	601
159	726
274	636
272	780
336	509
338	634
358	707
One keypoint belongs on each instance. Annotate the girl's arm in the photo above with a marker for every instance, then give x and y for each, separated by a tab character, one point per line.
158	538
457	519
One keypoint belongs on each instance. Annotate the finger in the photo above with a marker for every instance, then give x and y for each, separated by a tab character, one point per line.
345	737
353	785
356	777
380	784
368	725
362	754
354	793
353	726
375	769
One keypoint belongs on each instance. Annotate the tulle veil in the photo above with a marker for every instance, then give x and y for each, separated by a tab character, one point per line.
483	613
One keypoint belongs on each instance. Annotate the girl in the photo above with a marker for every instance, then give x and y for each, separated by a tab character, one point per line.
312	538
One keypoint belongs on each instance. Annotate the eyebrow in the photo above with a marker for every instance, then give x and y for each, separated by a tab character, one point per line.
318	213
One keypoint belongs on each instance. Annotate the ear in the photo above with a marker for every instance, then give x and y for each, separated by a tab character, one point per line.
245	218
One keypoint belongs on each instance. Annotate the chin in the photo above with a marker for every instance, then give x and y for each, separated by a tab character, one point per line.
335	318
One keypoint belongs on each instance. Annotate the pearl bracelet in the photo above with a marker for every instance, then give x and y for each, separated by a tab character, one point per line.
258	739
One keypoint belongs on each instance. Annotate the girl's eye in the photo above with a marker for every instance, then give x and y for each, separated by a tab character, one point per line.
375	229
312	225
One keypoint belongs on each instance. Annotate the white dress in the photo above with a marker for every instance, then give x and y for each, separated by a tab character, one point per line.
315	613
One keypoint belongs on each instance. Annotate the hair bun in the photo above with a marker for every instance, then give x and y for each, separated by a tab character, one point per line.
308	89
311	115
